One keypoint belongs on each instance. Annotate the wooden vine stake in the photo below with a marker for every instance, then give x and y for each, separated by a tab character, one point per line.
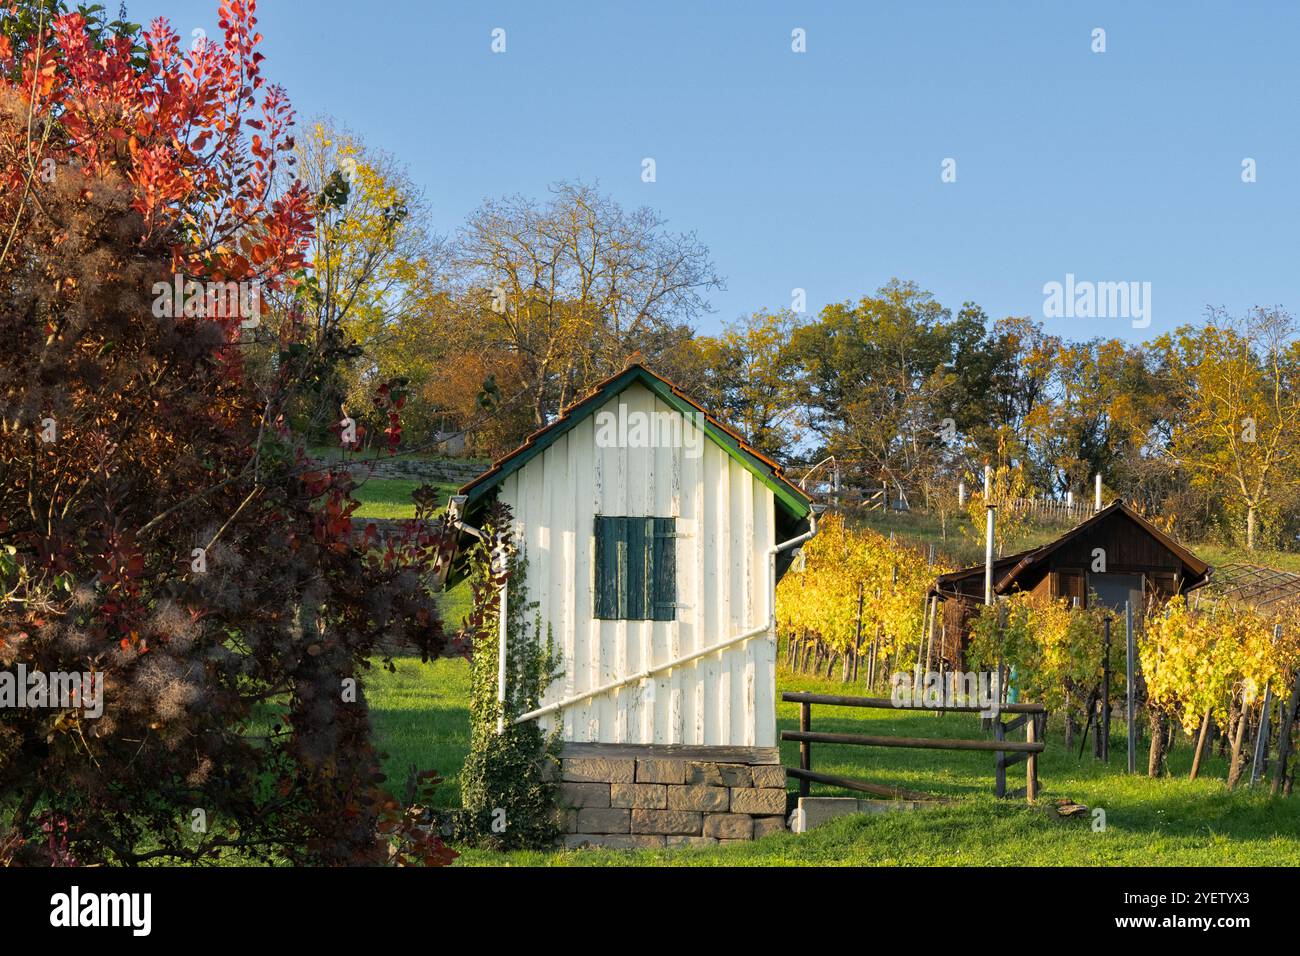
1130	700
1200	744
857	635
1284	737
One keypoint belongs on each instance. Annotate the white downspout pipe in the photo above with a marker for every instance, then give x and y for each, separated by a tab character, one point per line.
757	631
502	621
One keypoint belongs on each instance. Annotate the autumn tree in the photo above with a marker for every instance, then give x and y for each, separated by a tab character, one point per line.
1016	383
868	374
1103	411
748	375
572	286
1238	387
375	259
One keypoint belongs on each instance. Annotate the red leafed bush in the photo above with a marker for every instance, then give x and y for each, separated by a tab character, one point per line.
158	528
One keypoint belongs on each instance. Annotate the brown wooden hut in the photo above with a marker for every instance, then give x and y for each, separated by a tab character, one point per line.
1142	564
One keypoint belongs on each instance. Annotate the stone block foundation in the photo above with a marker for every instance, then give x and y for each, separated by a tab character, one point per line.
631	796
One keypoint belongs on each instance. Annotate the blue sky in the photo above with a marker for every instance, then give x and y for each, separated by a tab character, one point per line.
821	170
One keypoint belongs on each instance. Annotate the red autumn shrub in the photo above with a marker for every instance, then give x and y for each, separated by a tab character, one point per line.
159	530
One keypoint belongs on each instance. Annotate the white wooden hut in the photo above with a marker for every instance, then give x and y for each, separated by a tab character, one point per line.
654	537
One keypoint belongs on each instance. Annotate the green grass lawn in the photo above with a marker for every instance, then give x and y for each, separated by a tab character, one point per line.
420	718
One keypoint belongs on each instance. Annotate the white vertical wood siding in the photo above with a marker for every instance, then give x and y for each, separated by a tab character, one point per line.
728	518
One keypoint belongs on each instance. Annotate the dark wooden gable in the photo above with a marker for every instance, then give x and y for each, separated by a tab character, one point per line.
1059	569
1125	546
1135	549
1130	545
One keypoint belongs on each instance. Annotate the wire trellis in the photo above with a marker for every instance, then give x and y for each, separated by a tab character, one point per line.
1253	585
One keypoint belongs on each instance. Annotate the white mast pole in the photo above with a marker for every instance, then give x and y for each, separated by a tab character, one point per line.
990	508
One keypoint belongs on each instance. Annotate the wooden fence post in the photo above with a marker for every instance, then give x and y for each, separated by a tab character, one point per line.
1104	727
805	746
1031	759
999	734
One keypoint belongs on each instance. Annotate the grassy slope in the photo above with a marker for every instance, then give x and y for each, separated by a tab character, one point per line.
391	498
420	719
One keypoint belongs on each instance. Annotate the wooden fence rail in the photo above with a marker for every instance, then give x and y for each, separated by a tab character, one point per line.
883	703
1031	716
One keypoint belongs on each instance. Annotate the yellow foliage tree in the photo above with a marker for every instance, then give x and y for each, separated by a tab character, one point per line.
1240	429
377	266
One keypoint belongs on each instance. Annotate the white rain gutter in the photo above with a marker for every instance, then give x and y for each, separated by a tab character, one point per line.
455	504
769	625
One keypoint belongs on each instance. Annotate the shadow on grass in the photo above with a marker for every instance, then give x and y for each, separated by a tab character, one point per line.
420	717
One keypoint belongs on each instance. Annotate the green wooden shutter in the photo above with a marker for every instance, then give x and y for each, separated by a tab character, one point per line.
636	569
663	579
634	581
607	579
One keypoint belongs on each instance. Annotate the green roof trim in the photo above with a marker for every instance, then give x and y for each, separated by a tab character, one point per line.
792	500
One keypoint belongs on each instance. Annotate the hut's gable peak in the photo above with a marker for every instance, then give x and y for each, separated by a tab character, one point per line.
789	497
